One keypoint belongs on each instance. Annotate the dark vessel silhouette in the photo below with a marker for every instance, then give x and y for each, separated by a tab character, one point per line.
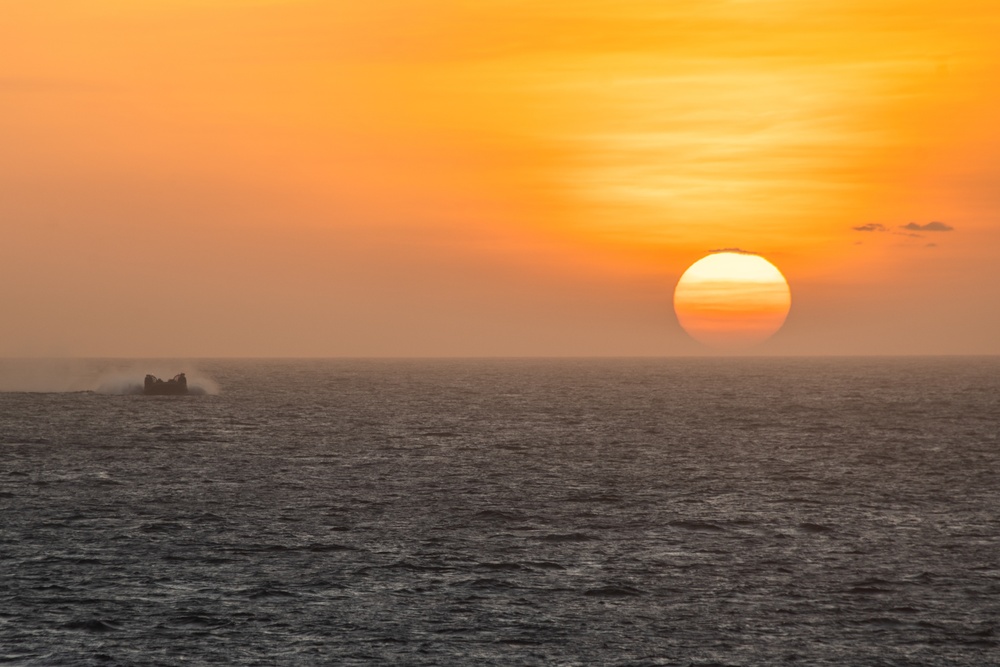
176	386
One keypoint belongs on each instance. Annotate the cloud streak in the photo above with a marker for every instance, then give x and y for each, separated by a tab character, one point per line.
929	227
909	229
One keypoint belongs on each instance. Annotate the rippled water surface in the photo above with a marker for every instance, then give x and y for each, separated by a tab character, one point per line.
632	512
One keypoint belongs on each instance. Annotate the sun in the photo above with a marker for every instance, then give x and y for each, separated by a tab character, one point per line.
732	300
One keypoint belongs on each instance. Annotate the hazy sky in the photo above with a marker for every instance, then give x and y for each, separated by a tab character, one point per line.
492	177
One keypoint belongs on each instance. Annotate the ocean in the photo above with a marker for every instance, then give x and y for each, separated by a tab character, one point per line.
713	511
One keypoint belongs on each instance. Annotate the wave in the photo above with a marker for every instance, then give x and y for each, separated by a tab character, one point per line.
698	526
92	625
613	592
566	537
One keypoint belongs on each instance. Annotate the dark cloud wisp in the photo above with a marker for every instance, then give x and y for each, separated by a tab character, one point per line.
909	229
929	227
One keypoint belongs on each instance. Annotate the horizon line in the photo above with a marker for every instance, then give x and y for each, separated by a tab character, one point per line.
719	355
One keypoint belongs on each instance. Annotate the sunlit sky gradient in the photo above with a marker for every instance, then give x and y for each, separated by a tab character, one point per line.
492	177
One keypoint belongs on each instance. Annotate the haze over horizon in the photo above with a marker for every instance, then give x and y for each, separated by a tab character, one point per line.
295	178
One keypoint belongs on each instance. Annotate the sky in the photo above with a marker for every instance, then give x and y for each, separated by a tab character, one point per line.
206	178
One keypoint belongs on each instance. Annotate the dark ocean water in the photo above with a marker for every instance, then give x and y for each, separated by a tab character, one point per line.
508	512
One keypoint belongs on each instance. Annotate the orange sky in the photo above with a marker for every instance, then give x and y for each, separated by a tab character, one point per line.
492	177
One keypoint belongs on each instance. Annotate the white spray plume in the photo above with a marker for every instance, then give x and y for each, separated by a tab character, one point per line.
102	376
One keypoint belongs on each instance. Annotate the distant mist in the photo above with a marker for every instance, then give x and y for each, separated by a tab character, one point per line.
101	376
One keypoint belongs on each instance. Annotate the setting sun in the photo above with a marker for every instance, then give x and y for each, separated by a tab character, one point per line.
732	300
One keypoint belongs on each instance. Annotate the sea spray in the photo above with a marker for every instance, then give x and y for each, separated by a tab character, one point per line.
131	381
104	376
46	375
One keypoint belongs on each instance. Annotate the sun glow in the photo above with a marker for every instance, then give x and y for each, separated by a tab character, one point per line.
496	177
732	300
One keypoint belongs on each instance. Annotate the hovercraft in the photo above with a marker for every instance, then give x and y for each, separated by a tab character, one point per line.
175	386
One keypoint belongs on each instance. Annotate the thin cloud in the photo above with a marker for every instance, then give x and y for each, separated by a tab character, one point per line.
870	227
740	251
929	227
